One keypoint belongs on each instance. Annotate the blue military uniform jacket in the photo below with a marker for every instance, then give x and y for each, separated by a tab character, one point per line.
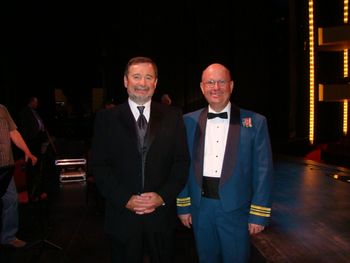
247	171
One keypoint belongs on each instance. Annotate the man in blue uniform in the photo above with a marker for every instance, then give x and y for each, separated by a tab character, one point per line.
227	197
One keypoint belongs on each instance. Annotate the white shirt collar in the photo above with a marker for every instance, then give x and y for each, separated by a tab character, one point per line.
135	111
226	109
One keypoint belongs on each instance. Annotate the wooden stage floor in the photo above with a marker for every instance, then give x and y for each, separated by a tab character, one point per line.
310	222
311	214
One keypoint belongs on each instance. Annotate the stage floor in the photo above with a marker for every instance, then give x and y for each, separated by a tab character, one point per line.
310	222
310	215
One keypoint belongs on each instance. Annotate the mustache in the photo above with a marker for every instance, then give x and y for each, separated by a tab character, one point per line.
144	88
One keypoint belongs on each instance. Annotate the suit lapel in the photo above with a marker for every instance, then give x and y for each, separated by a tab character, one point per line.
231	145
128	121
155	120
198	144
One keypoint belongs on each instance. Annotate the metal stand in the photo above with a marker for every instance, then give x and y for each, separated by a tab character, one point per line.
45	242
44	227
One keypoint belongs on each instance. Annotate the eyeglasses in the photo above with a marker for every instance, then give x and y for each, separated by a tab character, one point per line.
211	83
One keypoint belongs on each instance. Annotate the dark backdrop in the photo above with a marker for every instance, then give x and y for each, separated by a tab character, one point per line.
77	48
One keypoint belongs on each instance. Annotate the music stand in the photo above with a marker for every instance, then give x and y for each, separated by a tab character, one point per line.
44	198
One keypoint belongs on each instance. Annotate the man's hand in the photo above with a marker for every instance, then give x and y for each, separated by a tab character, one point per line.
31	157
144	203
186	220
255	229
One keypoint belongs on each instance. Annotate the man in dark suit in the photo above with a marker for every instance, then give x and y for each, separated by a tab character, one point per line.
32	128
140	162
228	193
32	125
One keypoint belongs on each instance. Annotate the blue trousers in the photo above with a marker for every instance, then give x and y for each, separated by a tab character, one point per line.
9	214
221	237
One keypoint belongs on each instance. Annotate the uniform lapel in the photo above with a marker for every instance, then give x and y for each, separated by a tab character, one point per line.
198	146
231	145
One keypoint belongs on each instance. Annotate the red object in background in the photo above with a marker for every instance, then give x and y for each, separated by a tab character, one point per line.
315	155
19	175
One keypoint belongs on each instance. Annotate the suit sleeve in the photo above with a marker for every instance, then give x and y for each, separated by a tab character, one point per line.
260	209
99	166
179	169
183	201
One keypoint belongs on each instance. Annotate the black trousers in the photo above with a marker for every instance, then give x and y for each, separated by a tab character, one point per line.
158	247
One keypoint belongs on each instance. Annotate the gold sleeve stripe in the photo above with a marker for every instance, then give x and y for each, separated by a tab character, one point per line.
183	205
183	199
259	214
182	202
260	211
262	208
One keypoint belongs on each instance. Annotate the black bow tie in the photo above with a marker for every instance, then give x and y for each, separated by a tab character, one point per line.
222	115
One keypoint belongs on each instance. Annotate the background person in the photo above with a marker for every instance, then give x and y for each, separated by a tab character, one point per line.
9	217
109	103
33	130
165	99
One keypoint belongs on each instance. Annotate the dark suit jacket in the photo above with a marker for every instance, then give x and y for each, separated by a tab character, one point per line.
29	129
116	164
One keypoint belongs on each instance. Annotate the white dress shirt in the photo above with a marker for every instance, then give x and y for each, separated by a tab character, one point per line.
136	112
215	143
